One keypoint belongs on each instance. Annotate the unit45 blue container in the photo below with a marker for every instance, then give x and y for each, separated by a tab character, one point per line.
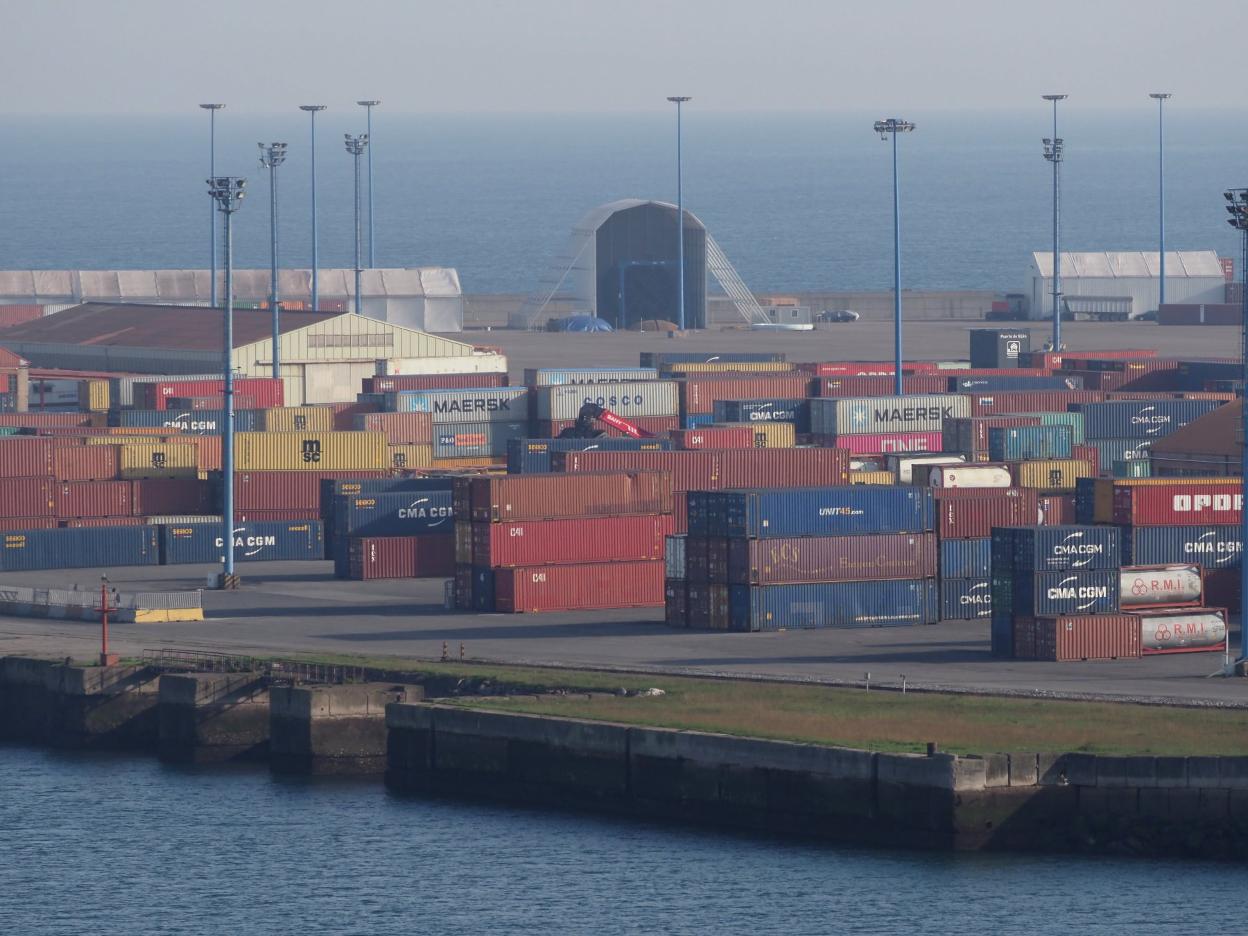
1029	442
969	558
253	542
842	604
965	599
1214	547
829	511
1140	419
28	550
1058	548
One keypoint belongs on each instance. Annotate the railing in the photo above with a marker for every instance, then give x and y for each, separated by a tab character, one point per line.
283	672
90	598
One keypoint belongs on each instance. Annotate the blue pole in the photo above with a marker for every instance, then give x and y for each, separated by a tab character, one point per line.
316	293
680	223
897	379
1161	199
274	305
1057	256
1243	454
227	446
372	260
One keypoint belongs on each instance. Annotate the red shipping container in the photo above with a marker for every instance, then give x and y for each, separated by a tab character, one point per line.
865	368
1052	359
400	428
1088	453
1180	502
242	401
560	496
278	516
714	438
287	490
699	393
25	457
172	497
378	557
1170	395
28	523
396	382
92	499
969	493
1056	509
882	443
267	391
36	420
1030	401
880	386
680	512
970	518
1088	637
712	470
103	522
868	557
579	587
345	413
26	497
551	542
655	425
85	463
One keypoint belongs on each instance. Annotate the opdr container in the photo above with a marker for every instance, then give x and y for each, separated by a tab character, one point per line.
886	414
1160	586
253	542
310	451
965	599
966	558
828	511
838	604
1213	547
1087	637
1055	548
482	404
1046	594
577	587
830	558
1029	442
1183	630
553	542
181	496
1179	502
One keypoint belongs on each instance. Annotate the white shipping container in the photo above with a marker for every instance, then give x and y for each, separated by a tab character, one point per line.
470	404
484	363
561	376
632	398
903	465
857	415
972	476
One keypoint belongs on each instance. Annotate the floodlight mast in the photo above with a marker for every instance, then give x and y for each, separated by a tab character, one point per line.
273	155
887	128
356	145
1053	153
1237	208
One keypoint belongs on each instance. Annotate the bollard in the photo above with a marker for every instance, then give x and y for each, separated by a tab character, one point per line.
932	748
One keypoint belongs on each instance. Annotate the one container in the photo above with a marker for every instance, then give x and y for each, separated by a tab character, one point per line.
886	414
309	451
635	398
561	376
1179	502
677	369
92	499
378	557
399	428
1087	637
965	599
829	511
154	460
970	476
1141	419
552	542
830	559
253	542
583	586
1182	631
1082	548
838	604
659	358
883	443
1160	586
987	383
966	558
880	386
86	547
480	404
526	456
555	496
1029	442
475	440
155	394
1213	547
1047	594
1052	474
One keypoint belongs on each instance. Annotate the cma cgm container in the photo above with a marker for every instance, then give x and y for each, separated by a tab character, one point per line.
553	542
714	470
562	376
579	587
1068	548
775	410
883	443
475	404
403	513
380	557
1179	503
1142	419
253	542
886	414
197	422
965	558
80	548
527	456
837	604
475	440
1045	594
965	599
558	496
698	393
827	511
1087	637
1029	442
831	558
1182	630
1213	547
310	451
635	398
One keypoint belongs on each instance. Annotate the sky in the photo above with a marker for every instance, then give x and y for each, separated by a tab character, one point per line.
488	56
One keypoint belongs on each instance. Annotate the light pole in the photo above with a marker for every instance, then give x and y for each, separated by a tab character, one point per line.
356	145
212	220
1053	153
680	100
890	128
1237	208
1161	97
372	259
312	110
273	155
227	192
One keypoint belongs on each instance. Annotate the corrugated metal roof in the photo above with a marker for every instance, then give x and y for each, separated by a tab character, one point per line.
1115	264
1215	433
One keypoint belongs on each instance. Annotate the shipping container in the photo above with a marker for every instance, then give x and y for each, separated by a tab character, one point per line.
1075	637
558	496
527	456
627	399
699	393
81	522
970	476
1030	442
25	456
297	419
1213	547
253	542
241	402
911	469
1083	548
104	547
872	477
477	404
402	513
410	456
837	604
881	386
1182	630
966	558
828	511
85	463
970	434
796	411
674	557
584	586
138	460
765	434
561	376
179	497
555	542
27	497
714	438
92	499
882	443
1052	474
1056	509
965	599
715	470
675	603
309	451
1131	468
1143	419
828	559
1048	594
156	393
399	428
394	383
1160	586
1179	502
380	557
283	490
659	358
975	517
988	383
33	420
885	414
1074	420
201	422
1003	402
476	440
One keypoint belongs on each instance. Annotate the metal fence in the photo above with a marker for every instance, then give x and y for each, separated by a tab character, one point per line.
283	672
118	601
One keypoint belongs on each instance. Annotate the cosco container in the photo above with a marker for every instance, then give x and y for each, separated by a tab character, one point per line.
1057	548
555	542
583	586
1213	547
886	414
475	404
837	604
716	470
828	511
1160	586
1029	442
1183	630
1141	419
883	443
830	558
80	548
380	557
965	599
965	558
560	376
635	398
410	456
970	476
559	496
1179	502
752	411
475	440
253	542
1074	637
1046	594
527	456
309	451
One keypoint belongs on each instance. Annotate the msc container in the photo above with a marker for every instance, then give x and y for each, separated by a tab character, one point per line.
561	376
636	398
399	428
85	463
1029	442
827	511
558	496
475	404
153	460
1160	586
297	419
714	438
379	557
1055	548
1052	474
837	604
883	443
775	410
1047	594
1179	502
526	456
1213	547
309	451
970	434
976	517
699	393
872	477
965	599
1074	637
197	422
765	434
475	440
908	468
253	542
970	476
395	382
965	558
556	542
830	559
583	586
92	499
1141	419
1182	630
886	414
403	513
714	470
674	557
410	456
80	548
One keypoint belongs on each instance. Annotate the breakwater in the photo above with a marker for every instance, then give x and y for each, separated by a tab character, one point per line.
1195	807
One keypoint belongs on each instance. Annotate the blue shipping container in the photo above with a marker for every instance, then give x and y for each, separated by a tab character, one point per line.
84	547
192	422
1074	420
526	456
1046	594
970	558
828	511
1002	539
1029	442
475	440
1214	547
990	383
748	411
403	513
332	488
1112	450
1085	501
696	420
1055	548
1140	419
838	604
253	542
1002	633
965	599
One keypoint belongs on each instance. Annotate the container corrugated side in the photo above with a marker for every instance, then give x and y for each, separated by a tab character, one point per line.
391	383
976	517
882	443
253	542
310	451
80	548
872	477
655	425
280	490
402	513
965	558
561	376
675	603
879	385
410	456
727	468
828	511
699	393
1000	403
1163	586
92	499
85	463
559	496
25	457
1054	548
1213	547
553	542
970	433
173	496
1047	594
153	460
1179	503
297	419
838	604
714	437
674	557
584	586
27	497
379	557
679	368
1055	474
525	456
965	599
627	399
920	413
796	412
830	559
1087	637
1029	442
1142	419
399	428
1074	420
476	440
472	404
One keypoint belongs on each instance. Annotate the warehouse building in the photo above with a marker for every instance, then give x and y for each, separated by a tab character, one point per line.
324	355
425	298
1123	281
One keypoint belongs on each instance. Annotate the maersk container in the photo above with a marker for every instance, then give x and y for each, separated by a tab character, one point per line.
751	411
886	414
1074	420
793	560
253	542
837	604
674	557
80	548
1141	419
631	398
965	599
1213	547
474	440
991	383
476	404
1160	586
1082	548
968	558
1046	594
561	376
527	456
1029	442
1182	630
828	511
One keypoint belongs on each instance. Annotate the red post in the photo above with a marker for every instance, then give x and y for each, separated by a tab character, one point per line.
106	658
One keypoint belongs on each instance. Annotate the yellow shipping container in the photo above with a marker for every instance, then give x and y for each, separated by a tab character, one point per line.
410	456
310	451
768	434
156	460
872	477
146	438
718	367
299	419
93	396
474	462
1053	474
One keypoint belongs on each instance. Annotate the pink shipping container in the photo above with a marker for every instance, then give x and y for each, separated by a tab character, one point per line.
84	463
655	425
1181	502
1030	401
1088	637
699	393
881	386
92	499
103	522
400	428
267	391
584	586
379	557
560	496
831	559
286	490
550	542
397	382
971	518
26	497
25	457
883	443
173	497
713	438
712	470
279	516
